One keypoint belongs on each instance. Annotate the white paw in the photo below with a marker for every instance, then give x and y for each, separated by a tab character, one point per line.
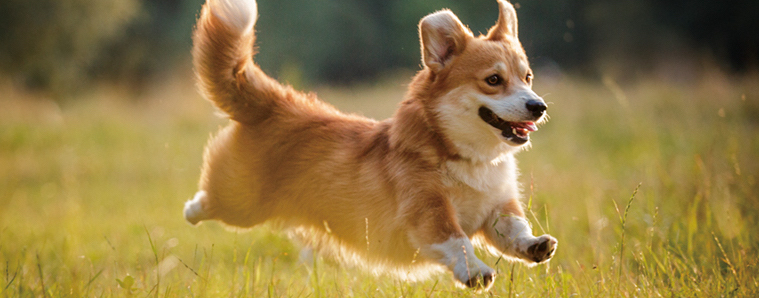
458	255
193	209
538	249
477	275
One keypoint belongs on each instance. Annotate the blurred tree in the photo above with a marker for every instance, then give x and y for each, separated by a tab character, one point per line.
333	40
51	44
728	30
555	32
60	45
154	44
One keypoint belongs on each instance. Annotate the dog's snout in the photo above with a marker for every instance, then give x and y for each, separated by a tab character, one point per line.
537	108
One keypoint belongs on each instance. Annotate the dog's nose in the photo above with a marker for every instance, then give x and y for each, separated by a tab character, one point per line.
535	107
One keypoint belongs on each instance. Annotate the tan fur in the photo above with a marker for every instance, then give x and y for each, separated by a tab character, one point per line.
385	194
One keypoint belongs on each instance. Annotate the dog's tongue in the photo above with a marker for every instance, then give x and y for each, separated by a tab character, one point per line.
530	126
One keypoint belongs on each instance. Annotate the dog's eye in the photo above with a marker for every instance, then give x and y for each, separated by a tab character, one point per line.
494	80
528	78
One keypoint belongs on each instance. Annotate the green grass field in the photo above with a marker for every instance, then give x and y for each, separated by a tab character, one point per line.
650	187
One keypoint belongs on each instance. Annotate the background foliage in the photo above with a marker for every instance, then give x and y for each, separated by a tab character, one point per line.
64	45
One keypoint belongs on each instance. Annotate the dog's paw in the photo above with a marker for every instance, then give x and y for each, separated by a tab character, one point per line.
193	209
542	249
473	273
458	254
481	281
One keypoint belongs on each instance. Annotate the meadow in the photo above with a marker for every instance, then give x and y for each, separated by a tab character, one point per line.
649	185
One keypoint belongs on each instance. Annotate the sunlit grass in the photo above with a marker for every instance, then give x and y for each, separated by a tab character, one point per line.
91	193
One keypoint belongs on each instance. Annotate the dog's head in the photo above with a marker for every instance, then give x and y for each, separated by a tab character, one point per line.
483	98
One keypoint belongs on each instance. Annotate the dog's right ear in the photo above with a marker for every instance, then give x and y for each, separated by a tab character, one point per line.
442	36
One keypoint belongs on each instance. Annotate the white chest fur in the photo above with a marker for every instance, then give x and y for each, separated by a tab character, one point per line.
476	189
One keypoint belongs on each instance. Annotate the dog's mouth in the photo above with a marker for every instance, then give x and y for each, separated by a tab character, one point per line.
515	132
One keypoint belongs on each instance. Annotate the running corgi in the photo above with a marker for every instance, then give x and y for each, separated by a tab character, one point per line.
407	195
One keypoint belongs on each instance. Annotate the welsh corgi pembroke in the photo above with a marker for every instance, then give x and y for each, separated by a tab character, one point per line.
407	195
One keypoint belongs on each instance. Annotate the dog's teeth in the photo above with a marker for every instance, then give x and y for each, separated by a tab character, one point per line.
514	131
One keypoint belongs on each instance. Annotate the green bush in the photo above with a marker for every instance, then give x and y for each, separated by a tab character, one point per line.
63	45
51	44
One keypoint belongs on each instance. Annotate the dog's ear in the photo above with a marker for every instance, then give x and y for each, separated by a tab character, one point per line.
442	36
507	22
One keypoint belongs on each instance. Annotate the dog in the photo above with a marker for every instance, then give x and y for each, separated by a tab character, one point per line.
408	195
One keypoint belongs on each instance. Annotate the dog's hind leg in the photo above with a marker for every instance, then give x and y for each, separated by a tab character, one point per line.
193	209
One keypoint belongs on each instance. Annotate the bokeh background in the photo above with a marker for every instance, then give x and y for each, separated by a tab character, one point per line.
646	172
67	45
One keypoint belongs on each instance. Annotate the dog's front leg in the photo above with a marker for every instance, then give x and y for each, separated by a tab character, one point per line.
508	230
439	237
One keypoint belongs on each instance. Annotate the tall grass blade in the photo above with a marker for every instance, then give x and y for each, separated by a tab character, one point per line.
622	242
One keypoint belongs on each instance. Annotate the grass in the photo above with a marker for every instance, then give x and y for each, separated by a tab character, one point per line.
650	188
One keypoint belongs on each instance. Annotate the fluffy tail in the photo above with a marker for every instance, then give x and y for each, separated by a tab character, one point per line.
223	59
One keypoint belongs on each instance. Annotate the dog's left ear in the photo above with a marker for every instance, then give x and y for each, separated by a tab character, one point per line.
442	36
507	22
